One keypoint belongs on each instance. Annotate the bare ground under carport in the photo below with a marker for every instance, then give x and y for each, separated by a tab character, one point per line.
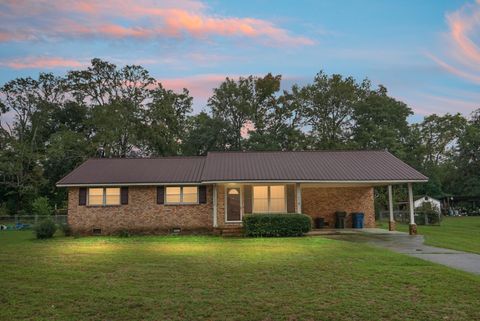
408	244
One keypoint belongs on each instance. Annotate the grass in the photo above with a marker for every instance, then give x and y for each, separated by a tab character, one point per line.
210	278
458	233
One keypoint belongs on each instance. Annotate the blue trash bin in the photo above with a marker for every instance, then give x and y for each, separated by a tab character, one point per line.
357	220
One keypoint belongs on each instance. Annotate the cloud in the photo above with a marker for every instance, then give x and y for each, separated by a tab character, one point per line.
200	86
461	54
454	70
42	63
143	19
441	100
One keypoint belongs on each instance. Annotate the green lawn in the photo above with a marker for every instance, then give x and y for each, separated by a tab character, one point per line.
458	233
210	278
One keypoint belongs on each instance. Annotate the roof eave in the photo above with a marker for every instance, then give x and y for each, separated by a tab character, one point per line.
397	181
381	182
126	184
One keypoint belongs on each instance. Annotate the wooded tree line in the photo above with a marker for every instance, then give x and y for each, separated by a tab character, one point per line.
106	111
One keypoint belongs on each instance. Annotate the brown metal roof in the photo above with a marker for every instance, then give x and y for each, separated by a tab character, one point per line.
308	166
329	166
136	171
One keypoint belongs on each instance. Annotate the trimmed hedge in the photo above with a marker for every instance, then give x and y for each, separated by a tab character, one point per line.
270	225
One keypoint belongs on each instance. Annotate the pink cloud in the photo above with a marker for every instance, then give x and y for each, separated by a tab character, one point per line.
41	62
460	53
455	71
140	19
441	101
442	105
200	86
247	127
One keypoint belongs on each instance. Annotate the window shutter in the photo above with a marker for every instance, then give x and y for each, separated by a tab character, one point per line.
202	194
124	195
247	199
82	196
160	194
290	198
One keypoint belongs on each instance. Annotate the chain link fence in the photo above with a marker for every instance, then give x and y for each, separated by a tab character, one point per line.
19	222
403	216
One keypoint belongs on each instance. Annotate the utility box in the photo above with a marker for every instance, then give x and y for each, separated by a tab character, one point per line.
340	218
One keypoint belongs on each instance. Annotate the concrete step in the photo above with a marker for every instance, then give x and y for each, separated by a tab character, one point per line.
232	232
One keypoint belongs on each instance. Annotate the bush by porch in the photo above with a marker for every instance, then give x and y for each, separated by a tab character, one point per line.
267	225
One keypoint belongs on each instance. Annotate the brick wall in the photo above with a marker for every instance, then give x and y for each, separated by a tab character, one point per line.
142	214
324	202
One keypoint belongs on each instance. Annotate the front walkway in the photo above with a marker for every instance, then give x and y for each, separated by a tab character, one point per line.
411	245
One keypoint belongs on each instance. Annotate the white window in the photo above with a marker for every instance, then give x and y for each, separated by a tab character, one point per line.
173	195
269	199
190	194
95	196
112	196
181	195
104	196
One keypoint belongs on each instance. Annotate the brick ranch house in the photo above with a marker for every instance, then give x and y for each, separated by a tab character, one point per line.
213	192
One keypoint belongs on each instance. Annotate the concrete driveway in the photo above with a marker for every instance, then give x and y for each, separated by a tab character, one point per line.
413	245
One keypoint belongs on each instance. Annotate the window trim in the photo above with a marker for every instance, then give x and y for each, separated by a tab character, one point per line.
165	202
104	196
269	199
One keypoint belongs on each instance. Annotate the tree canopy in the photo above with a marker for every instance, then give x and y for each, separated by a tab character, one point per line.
56	122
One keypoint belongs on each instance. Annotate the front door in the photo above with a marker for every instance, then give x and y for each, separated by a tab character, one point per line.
233	204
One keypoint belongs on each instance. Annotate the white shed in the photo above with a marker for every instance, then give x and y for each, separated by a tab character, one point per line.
427	199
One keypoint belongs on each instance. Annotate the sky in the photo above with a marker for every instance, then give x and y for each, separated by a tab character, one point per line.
427	53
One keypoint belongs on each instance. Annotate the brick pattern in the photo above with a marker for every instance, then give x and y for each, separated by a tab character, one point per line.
324	202
142	214
412	229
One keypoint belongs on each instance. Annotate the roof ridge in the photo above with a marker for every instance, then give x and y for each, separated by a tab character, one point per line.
155	157
297	151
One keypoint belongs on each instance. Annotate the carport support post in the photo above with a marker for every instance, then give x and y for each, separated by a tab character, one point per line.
391	222
412	227
215	197
298	188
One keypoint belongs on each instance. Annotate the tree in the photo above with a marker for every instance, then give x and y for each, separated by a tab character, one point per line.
116	98
380	122
439	134
164	121
103	83
468	159
283	128
41	207
327	108
115	127
205	134
66	150
31	103
250	99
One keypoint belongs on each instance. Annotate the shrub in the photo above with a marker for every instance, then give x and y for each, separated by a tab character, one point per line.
66	229
123	233
431	213
268	225
45	229
41	207
4	210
